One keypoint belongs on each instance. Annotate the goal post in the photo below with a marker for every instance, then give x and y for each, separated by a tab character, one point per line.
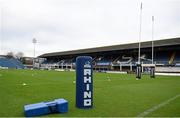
152	69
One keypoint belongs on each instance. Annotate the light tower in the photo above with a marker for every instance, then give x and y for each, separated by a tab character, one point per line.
34	41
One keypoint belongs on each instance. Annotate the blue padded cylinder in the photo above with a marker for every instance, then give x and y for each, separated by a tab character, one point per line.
84	82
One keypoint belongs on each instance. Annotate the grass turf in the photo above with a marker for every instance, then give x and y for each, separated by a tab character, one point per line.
114	94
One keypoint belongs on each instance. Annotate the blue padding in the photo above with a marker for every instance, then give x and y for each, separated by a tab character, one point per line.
62	105
84	82
52	106
36	109
43	108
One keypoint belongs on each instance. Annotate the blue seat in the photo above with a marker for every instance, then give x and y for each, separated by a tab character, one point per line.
43	108
11	63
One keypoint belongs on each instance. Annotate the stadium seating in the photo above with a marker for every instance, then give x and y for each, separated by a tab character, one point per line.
117	61
177	59
11	63
103	63
162	58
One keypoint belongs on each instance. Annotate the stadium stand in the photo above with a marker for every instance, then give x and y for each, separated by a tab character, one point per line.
10	63
120	57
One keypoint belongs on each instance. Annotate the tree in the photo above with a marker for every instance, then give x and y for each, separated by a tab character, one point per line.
10	55
19	55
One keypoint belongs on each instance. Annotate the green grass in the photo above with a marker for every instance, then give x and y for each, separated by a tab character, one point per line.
123	95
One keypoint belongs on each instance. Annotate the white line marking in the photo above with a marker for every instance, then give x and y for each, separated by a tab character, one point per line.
157	106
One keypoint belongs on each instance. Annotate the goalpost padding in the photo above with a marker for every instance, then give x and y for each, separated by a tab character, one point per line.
152	72
152	69
84	82
138	71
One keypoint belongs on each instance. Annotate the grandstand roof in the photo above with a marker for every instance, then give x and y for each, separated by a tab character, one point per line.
157	43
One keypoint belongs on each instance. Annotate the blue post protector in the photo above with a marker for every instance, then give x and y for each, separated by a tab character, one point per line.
84	82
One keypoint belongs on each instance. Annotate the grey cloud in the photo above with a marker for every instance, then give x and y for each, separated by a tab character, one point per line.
60	25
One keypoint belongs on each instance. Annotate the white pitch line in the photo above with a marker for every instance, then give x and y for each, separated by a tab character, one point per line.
157	106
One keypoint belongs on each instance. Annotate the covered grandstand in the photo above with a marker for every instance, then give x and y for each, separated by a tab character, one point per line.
121	57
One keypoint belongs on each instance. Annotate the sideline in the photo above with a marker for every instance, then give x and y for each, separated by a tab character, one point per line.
157	106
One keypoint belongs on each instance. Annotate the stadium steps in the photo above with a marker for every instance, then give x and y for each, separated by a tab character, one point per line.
116	59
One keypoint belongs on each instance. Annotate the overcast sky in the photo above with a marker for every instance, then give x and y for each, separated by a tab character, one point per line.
60	25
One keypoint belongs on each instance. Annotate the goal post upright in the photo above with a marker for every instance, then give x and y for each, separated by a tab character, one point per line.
138	64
